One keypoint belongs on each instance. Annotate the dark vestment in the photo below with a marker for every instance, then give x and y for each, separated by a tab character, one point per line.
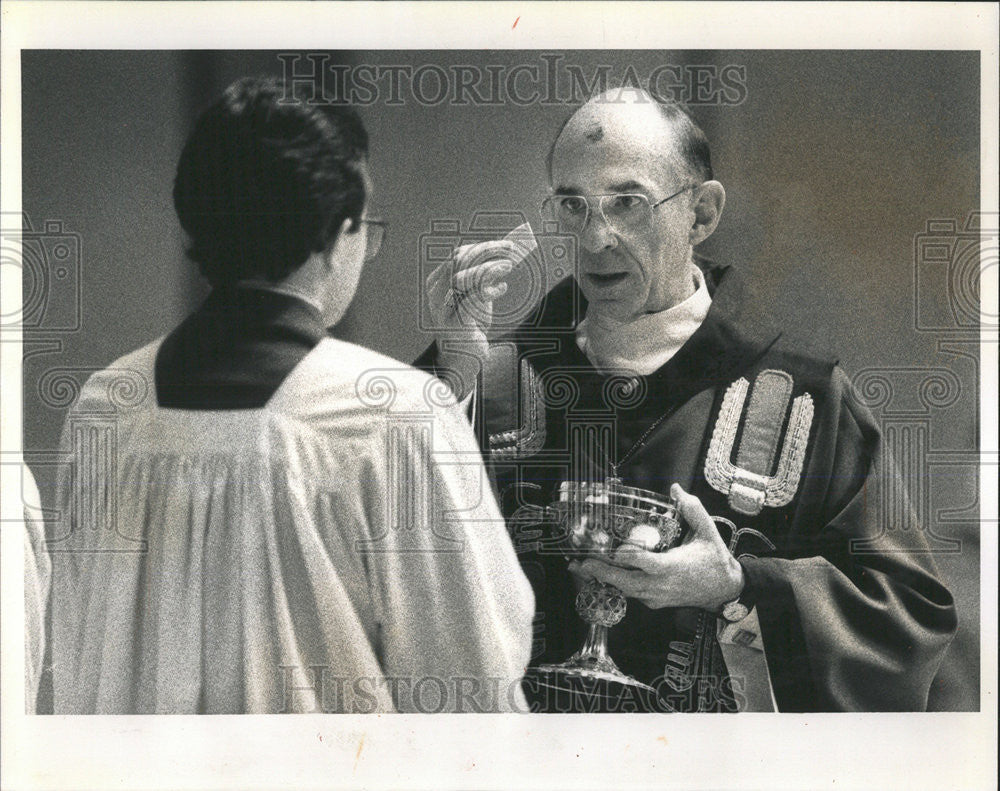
851	612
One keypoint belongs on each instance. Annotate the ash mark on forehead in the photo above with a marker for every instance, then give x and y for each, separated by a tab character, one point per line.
595	134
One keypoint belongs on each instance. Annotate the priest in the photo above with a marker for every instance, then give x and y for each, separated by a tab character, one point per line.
663	370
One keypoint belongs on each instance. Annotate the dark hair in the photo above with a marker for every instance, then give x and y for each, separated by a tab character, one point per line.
266	179
691	141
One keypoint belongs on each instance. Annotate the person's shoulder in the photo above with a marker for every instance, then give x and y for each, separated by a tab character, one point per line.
807	356
128	382
794	349
338	378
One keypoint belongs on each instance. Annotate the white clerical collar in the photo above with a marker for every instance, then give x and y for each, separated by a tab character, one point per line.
644	344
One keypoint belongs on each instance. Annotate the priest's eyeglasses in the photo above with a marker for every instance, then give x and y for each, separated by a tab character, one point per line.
375	231
624	212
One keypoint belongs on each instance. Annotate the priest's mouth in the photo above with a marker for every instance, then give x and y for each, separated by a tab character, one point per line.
607	279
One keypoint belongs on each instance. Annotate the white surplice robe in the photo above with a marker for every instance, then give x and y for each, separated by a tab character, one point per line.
338	549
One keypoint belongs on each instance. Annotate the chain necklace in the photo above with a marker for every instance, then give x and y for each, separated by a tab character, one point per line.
635	447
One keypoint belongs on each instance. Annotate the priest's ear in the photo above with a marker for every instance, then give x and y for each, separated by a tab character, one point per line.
709	200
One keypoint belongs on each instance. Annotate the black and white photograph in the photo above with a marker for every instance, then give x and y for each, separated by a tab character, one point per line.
541	376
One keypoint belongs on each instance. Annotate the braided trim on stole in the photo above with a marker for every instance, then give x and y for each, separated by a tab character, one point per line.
719	470
778	489
530	437
782	487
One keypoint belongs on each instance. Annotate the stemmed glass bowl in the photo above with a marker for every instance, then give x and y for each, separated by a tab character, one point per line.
593	519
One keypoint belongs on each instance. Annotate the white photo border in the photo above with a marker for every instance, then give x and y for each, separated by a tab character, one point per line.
494	751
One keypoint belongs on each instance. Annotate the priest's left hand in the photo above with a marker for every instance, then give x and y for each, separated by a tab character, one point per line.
700	572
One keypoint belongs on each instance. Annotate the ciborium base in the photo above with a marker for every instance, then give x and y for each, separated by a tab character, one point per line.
566	675
574	688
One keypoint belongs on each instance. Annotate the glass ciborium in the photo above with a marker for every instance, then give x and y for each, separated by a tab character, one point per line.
593	519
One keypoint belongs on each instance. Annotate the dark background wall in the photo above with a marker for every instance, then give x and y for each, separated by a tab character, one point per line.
833	163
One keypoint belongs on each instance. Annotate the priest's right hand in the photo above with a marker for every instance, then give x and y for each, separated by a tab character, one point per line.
460	294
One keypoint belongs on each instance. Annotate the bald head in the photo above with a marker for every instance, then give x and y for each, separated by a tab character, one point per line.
620	145
635	125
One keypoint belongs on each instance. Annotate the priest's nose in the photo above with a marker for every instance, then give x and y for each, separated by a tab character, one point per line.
597	236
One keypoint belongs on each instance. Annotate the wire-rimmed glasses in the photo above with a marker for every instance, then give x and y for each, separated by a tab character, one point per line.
375	231
624	212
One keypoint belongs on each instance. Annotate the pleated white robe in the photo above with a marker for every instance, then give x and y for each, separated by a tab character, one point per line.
338	549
